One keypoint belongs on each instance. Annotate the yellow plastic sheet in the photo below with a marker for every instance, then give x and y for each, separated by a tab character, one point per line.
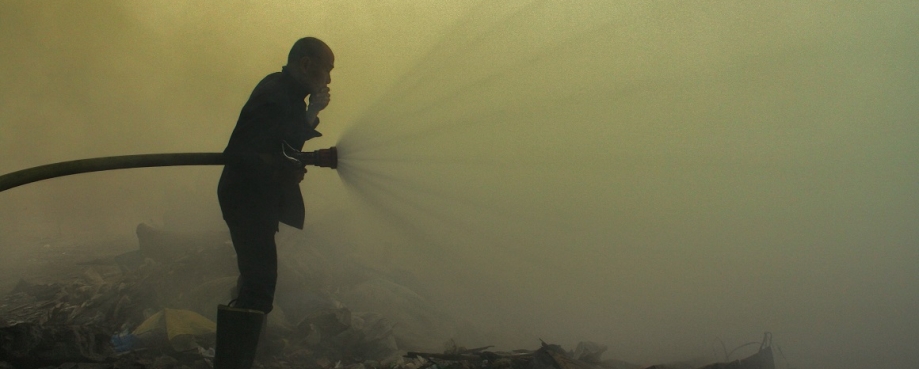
180	327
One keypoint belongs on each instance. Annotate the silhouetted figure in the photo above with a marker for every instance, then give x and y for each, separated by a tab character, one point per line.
258	189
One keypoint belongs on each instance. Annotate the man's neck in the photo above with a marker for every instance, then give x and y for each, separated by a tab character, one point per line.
299	87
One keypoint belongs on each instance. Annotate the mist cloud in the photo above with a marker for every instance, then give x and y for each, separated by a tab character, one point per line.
650	176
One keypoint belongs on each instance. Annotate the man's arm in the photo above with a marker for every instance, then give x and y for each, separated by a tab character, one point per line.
252	146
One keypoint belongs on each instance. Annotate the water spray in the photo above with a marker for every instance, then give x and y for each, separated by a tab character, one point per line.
325	158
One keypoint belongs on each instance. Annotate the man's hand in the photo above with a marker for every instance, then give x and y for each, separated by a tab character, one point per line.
293	174
299	175
318	101
283	172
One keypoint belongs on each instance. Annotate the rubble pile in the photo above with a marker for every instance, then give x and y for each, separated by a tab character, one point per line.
73	320
587	355
154	308
174	283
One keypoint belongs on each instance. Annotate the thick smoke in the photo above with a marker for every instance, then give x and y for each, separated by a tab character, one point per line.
651	176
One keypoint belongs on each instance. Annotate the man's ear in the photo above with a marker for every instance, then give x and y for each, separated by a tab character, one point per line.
305	63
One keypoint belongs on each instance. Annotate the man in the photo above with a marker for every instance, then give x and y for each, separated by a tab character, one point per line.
259	189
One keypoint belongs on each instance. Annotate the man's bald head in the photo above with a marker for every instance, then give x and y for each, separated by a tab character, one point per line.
310	47
310	61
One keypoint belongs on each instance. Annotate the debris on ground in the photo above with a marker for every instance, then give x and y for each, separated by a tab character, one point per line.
155	308
549	356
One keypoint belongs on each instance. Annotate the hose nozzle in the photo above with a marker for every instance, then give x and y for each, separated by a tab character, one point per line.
326	158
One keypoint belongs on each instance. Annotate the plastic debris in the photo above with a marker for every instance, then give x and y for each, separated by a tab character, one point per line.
155	308
124	341
182	329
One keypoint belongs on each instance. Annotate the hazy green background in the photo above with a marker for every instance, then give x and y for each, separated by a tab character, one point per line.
648	175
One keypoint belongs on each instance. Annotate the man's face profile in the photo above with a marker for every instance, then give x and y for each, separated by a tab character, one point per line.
317	71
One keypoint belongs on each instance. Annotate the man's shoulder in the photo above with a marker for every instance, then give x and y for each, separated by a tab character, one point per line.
269	91
271	85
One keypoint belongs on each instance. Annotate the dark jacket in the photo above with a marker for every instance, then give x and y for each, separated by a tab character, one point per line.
252	191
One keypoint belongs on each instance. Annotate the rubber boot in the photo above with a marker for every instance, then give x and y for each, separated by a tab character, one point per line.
238	332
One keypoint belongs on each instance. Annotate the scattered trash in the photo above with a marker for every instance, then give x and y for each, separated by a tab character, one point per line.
124	341
549	356
155	308
206	353
183	330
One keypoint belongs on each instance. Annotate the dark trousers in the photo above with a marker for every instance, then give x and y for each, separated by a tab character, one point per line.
257	258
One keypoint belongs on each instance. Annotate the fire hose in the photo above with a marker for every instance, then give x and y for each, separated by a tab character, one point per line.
327	158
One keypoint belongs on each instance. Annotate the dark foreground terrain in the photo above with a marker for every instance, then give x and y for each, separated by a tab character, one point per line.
150	303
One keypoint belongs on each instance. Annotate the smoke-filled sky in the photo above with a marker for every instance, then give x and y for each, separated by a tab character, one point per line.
648	175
